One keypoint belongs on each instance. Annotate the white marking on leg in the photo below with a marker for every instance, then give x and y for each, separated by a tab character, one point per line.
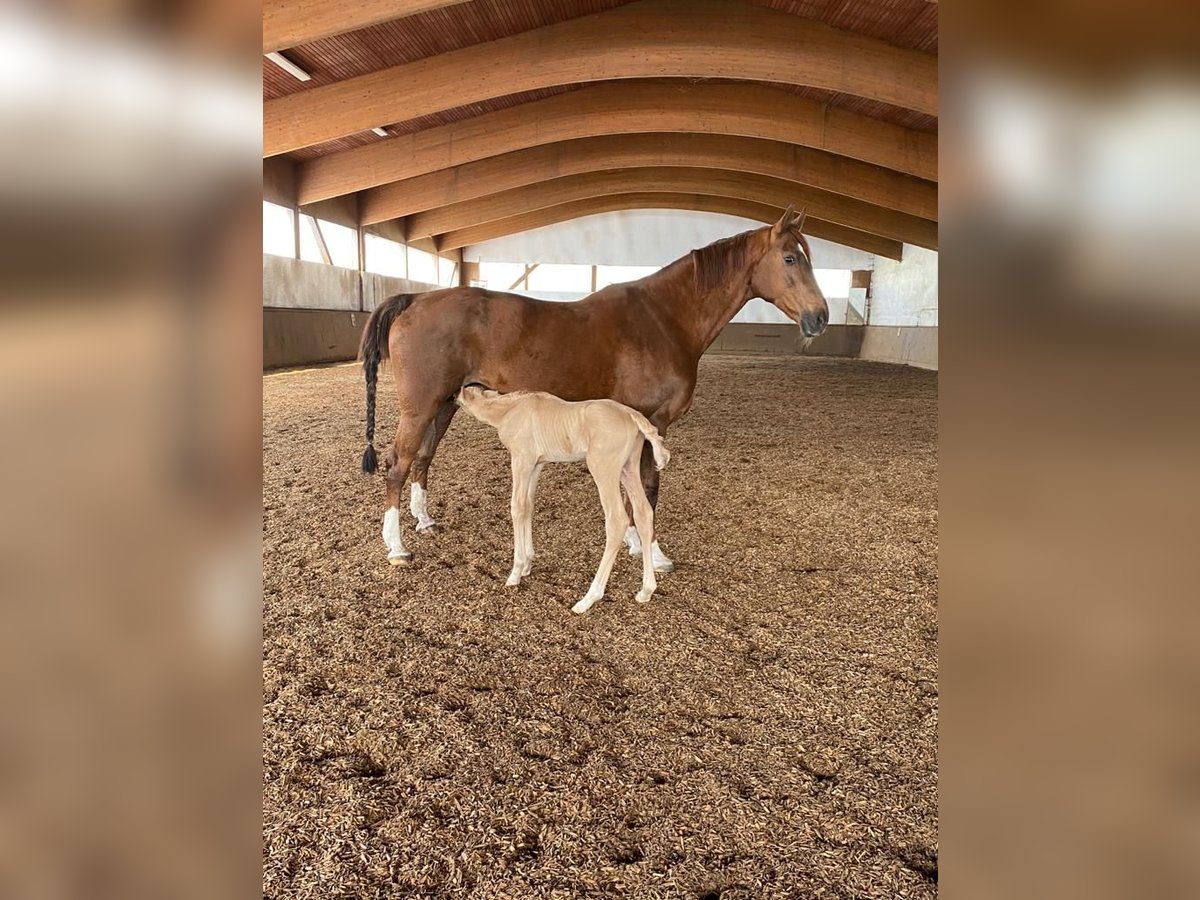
662	563
643	517
397	554
416	505
632	541
588	600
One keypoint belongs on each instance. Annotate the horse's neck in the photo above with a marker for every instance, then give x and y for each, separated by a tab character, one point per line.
698	316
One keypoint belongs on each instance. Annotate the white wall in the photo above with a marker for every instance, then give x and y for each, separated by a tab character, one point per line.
299	284
639	237
651	237
905	292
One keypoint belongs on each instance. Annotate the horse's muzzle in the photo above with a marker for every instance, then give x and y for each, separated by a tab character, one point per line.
813	324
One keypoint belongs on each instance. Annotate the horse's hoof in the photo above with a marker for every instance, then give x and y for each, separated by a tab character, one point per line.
513	581
664	566
584	605
643	596
431	528
402	560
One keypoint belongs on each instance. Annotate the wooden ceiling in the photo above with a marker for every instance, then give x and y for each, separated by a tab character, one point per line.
837	97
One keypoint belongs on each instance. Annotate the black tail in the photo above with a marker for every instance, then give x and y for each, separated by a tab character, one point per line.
374	347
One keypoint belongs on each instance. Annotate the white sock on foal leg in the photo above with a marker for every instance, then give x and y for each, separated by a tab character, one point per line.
416	505
397	554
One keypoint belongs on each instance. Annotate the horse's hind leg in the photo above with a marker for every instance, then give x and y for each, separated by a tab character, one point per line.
643	517
409	434
650	478
608	482
418	493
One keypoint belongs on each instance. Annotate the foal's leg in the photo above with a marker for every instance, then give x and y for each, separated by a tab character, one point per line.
418	494
643	517
531	492
650	476
521	509
408	439
607	475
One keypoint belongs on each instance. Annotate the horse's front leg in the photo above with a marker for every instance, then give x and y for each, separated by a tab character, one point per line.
650	479
522	512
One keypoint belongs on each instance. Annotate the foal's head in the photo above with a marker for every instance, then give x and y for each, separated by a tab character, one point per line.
485	404
784	276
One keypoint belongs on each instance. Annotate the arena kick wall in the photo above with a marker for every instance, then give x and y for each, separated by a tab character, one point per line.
314	313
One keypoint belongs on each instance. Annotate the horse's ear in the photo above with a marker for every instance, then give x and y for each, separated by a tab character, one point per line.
797	225
784	221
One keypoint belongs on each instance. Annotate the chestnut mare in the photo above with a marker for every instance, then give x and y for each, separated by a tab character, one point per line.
638	343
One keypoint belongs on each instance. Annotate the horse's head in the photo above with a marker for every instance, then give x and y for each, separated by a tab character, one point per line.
784	276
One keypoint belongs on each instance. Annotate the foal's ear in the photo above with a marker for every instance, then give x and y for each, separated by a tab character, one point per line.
784	223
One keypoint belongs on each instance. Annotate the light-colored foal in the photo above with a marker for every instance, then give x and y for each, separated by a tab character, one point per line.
538	428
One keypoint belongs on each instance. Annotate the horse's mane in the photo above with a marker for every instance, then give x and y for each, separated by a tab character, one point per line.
714	262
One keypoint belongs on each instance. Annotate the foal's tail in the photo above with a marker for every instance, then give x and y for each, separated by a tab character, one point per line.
374	347
662	455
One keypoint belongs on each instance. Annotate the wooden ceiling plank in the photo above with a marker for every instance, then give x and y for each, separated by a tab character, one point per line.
760	212
740	185
745	110
289	23
690	40
816	168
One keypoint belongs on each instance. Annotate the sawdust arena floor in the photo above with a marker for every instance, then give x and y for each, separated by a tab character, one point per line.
765	727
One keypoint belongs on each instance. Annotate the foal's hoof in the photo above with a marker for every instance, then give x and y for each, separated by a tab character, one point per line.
664	566
643	596
428	528
583	605
401	559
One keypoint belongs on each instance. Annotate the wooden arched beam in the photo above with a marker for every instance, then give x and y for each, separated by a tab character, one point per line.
730	206
815	168
287	23
648	39
713	182
624	107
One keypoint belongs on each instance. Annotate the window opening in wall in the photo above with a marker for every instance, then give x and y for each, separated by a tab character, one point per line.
279	230
422	266
384	256
327	242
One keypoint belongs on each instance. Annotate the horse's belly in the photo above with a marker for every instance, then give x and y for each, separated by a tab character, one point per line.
558	456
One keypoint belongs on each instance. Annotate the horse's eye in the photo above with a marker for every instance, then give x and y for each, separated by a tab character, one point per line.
790	260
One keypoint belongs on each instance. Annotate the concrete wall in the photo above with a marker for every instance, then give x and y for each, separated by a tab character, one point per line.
301	337
298	284
905	292
314	313
907	344
739	337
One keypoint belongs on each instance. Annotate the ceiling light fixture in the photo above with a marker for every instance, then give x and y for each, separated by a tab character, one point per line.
288	66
